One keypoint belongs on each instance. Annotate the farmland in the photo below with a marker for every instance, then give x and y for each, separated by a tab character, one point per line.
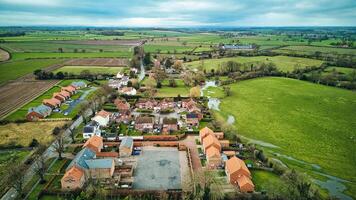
308	122
4	55
92	69
283	63
312	49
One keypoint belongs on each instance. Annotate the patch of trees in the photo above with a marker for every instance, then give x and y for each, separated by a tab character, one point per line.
12	34
85	74
111	33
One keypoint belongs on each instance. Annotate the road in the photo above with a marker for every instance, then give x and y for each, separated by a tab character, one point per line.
49	153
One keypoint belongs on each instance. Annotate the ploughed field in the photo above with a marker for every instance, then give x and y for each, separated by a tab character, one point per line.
92	69
16	94
312	127
110	62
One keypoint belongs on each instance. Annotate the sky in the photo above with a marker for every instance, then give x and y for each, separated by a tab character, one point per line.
174	13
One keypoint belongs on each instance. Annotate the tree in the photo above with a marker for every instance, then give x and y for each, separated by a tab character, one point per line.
150	83
208	186
172	82
194	91
147	59
187	78
159	74
59	75
58	145
60	50
56	130
16	178
40	166
227	90
178	65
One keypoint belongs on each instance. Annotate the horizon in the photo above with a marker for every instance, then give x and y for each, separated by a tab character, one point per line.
178	14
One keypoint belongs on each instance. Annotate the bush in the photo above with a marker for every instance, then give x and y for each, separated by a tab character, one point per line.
34	143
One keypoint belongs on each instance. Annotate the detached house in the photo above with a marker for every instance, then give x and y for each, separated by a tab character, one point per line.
79	84
126	147
144	124
128	91
73	179
148	104
62	96
170	125
122	105
39	112
102	118
95	143
69	89
210	141
166	103
238	174
192	119
53	102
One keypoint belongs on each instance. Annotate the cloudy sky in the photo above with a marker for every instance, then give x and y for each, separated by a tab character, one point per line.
175	13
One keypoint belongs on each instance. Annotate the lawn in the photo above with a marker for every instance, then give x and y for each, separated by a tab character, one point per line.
265	181
283	63
23	133
93	69
14	69
167	91
312	123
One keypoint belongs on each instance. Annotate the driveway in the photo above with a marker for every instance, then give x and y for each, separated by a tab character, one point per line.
189	142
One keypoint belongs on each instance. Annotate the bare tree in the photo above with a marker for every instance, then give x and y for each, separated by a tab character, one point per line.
40	166
59	145
16	179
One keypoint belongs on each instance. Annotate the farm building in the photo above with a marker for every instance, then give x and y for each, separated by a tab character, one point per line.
39	112
102	118
126	147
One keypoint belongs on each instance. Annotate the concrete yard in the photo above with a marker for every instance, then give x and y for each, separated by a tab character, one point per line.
158	168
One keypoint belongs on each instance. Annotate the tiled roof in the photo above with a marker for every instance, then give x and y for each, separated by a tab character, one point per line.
126	142
204	132
108	154
79	84
52	101
99	163
74	172
103	113
234	164
212	151
211	140
143	120
245	184
69	88
41	109
94	141
79	160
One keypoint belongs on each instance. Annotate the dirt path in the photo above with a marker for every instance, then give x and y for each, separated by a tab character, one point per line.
4	55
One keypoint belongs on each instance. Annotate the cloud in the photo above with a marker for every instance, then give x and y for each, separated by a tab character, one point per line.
171	13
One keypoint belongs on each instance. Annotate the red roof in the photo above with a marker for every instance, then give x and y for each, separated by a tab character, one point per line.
108	154
103	113
95	143
74	173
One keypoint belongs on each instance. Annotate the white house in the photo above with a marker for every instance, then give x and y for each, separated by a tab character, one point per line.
102	118
128	90
91	129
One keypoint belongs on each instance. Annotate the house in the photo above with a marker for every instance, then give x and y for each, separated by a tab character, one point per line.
128	91
144	124
210	141
188	102
192	119
126	147
100	168
124	117
91	129
224	143
53	102
219	135
125	80
69	89
166	103
73	179
119	75
148	104
39	112
94	143
229	153
193	108
61	96
79	84
238	174
81	157
122	105
204	132
102	118
169	125
213	157
114	83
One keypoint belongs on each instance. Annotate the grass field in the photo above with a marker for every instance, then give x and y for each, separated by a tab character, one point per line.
14	69
23	133
153	48
283	63
312	49
309	122
93	69
167	91
265	181
119	54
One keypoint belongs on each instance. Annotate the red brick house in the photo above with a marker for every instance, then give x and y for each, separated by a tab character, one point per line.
39	112
192	119
166	103
144	124
149	104
169	125
70	89
53	102
122	105
238	174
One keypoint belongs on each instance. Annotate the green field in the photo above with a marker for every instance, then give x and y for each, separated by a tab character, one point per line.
312	49
93	69
309	122
14	69
22	56
167	91
265	181
283	63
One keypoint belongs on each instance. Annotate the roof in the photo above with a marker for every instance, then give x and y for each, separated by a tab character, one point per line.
243	181
146	101
205	131
88	129
108	154
219	134
229	153
79	84
169	120
126	142
192	115
211	140
103	114
235	164
79	160
52	101
224	141
41	109
212	151
69	88
167	100
74	172
94	141
99	163
142	120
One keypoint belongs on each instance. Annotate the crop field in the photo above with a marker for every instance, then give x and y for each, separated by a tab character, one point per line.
23	56
92	69
167	49
283	63
309	124
107	62
42	131
14	69
312	49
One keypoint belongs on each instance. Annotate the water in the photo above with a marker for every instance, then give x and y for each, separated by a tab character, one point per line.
141	76
230	119
213	103
260	142
206	86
